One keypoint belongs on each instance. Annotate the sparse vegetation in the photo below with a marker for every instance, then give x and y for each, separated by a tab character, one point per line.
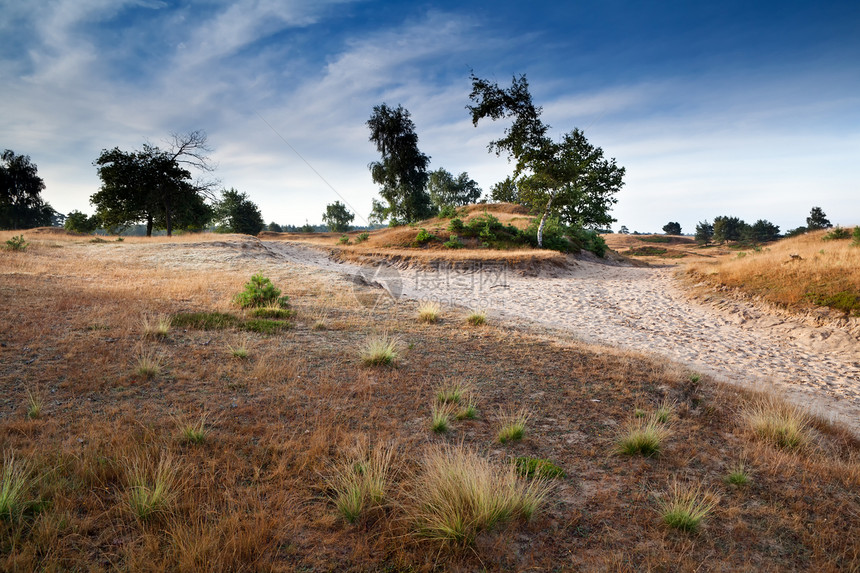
274	312
205	320
837	234
685	507
34	405
193	432
440	417
738	475
14	486
664	411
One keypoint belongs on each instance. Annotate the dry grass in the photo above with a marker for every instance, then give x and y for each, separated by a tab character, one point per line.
827	273
360	481
429	311
684	507
255	495
778	422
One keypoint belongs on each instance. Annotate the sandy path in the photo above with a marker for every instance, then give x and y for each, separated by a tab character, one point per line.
645	309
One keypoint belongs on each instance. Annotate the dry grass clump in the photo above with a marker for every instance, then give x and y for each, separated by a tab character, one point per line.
151	486
149	363
34	405
778	422
14	485
644	436
459	494
512	425
156	326
477	317
360	481
429	312
685	507
193	432
380	350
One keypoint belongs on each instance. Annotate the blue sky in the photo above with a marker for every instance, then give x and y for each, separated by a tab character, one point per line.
750	109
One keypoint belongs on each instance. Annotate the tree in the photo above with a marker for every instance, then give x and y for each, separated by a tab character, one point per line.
21	204
154	186
337	217
78	222
238	214
817	220
727	229
764	231
505	191
402	173
623	230
704	232
672	228
275	228
570	178
446	190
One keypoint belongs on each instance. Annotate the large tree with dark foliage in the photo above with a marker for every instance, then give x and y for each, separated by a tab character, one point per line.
704	232
238	214
337	217
817	220
21	204
569	178
728	229
672	228
402	172
154	186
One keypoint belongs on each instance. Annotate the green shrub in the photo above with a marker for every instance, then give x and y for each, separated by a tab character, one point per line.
447	211
424	237
343	240
17	243
261	292
837	233
456	226
453	242
538	468
362	237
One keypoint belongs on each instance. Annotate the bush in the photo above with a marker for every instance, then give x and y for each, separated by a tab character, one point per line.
838	233
17	243
424	237
856	235
362	237
447	211
456	226
453	242
261	292
343	240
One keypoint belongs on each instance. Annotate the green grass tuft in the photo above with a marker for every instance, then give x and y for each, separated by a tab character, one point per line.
684	508
538	468
380	351
642	436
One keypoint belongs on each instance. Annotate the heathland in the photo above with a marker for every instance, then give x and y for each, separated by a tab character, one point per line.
153	419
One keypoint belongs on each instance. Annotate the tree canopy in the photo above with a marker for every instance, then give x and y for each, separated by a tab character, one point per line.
445	189
672	228
21	204
570	177
154	186
238	214
402	172
337	217
817	220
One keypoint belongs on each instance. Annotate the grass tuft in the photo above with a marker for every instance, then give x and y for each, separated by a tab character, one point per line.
642	436
468	411
205	320
512	426
151	490
14	484
440	417
453	393
149	363
429	312
684	508
779	423
738	476
157	326
538	468
664	411
380	351
34	405
459	495
477	317
265	326
193	432
360	481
